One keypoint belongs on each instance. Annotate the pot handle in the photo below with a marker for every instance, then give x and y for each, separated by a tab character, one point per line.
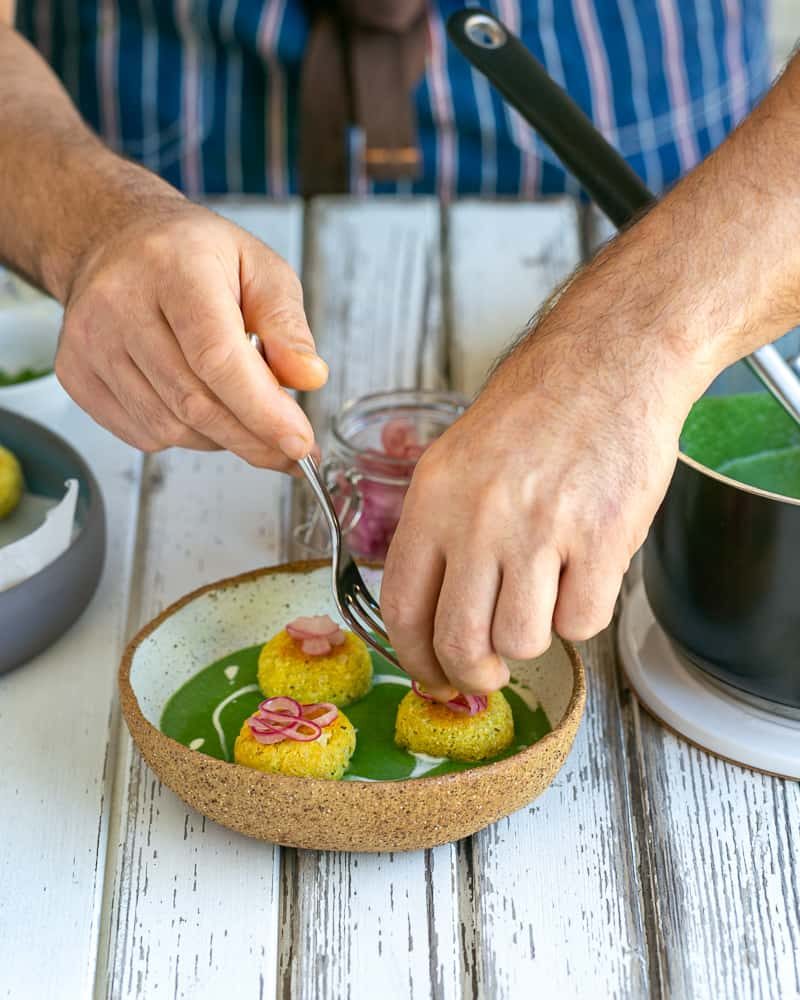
526	85
615	187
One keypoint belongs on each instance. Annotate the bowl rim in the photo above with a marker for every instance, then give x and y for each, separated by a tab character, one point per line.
130	703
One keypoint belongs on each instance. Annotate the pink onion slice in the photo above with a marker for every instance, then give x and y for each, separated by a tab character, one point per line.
281	718
462	704
323	713
316	647
311	626
316	634
281	703
396	435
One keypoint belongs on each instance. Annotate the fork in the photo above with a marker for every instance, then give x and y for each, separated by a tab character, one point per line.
352	596
353	599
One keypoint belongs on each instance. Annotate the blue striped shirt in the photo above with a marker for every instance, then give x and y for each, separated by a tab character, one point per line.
205	92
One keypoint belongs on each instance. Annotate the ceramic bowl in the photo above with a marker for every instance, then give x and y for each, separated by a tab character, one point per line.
354	815
29	339
34	613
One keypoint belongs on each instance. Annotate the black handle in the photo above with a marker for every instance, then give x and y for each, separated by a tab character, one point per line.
525	84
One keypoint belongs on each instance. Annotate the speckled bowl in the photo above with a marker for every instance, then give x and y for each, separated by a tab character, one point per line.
303	812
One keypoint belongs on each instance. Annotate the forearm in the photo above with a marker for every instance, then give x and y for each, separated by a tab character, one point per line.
61	189
713	270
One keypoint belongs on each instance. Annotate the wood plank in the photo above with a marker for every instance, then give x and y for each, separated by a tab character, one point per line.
178	885
719	843
373	284
54	787
724	845
355	924
505	259
553	888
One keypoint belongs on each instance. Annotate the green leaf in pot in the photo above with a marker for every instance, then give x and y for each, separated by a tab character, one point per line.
748	437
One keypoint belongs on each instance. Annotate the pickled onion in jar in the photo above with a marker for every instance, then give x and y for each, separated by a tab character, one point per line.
382	502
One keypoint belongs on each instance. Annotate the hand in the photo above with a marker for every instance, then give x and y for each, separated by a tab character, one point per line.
524	515
154	347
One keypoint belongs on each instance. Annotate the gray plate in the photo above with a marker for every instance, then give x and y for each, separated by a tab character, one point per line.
36	612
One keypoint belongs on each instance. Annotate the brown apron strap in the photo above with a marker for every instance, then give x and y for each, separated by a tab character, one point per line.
363	60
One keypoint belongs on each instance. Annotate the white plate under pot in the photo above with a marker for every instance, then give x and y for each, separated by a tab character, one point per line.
710	715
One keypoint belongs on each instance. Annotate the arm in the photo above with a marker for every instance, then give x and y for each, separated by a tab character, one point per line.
157	291
553	476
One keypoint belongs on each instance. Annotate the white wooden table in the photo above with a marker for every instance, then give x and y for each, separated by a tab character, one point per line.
648	869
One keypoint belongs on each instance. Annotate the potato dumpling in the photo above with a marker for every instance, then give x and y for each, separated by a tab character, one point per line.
341	676
325	757
428	727
11	482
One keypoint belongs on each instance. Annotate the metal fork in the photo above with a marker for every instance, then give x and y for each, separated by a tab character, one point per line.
353	599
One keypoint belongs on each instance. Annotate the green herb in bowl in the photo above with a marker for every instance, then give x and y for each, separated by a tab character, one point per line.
23	375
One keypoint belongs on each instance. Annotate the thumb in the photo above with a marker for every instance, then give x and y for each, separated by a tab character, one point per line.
272	307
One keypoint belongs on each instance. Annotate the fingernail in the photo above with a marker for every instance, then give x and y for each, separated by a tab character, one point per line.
294	447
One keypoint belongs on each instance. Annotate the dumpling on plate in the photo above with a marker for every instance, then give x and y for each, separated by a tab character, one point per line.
286	737
313	660
471	727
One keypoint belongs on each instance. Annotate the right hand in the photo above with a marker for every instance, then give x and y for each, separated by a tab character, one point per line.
154	347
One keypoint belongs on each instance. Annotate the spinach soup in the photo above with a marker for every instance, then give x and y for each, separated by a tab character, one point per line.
748	437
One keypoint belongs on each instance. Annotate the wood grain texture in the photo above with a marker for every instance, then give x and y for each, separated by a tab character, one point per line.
55	780
372	279
357	925
177	884
724	857
718	843
504	261
373	286
564	869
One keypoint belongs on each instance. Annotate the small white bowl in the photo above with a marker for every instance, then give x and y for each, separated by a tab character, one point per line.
29	339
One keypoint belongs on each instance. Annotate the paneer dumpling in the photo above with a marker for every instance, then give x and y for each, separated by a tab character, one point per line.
424	726
326	756
310	664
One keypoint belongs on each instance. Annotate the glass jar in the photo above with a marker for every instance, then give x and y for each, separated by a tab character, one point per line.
377	441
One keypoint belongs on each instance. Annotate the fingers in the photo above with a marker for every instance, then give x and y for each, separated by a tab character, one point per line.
157	354
272	306
586	598
95	398
412	580
463	626
209	328
147	410
523	617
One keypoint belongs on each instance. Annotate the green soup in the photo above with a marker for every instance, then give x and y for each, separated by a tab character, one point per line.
207	713
748	437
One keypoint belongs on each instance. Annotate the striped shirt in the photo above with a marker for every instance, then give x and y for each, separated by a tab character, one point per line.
205	92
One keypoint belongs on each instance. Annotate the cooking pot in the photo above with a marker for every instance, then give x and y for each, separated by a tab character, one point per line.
721	566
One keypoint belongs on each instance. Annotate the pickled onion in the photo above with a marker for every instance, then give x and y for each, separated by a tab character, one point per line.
316	634
463	704
281	718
